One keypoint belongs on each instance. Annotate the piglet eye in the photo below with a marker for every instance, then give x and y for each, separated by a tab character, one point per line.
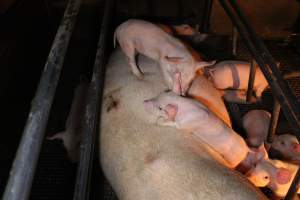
266	177
282	143
160	108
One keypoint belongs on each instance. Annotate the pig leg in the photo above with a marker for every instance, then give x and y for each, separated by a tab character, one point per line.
130	53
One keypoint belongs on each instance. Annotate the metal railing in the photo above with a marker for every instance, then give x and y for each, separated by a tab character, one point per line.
93	109
284	98
24	165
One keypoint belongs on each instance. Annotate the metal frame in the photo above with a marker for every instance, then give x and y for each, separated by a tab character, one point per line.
281	91
24	165
93	109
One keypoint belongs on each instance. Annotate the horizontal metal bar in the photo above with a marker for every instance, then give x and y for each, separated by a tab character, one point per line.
22	172
92	111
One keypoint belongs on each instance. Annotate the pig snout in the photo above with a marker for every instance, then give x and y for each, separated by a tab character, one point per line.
257	180
283	176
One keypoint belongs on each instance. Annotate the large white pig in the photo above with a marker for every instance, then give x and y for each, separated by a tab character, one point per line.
235	75
193	117
176	63
143	161
256	124
72	134
287	146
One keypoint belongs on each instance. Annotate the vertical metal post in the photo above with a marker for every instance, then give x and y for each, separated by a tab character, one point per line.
205	26
251	80
273	121
234	41
294	187
22	172
93	109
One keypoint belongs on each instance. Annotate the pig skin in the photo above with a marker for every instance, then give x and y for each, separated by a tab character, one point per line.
203	90
177	64
233	74
143	161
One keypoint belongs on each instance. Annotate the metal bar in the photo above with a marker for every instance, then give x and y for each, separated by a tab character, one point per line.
92	111
288	101
234	41
294	187
273	121
205	26
22	172
251	80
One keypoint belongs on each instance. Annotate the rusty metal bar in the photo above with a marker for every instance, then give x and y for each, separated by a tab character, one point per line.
251	80
93	109
273	121
24	165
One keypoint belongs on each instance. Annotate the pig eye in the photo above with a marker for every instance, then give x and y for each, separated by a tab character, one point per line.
266	177
282	143
160	108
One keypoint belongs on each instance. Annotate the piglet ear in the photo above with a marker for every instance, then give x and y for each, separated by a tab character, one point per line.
174	60
200	65
296	148
283	176
177	83
171	110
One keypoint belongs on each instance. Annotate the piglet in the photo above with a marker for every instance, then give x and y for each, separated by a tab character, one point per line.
235	75
256	124
286	147
192	117
274	174
237	96
203	90
72	134
177	64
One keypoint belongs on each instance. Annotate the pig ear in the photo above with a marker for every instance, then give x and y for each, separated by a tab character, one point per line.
200	65
174	60
177	83
171	110
296	148
283	176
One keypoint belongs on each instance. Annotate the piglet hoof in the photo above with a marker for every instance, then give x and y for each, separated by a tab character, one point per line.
140	76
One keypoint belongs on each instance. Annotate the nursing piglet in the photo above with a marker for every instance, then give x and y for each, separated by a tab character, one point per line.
274	174
256	124
203	90
235	75
176	63
237	96
287	147
72	134
192	117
